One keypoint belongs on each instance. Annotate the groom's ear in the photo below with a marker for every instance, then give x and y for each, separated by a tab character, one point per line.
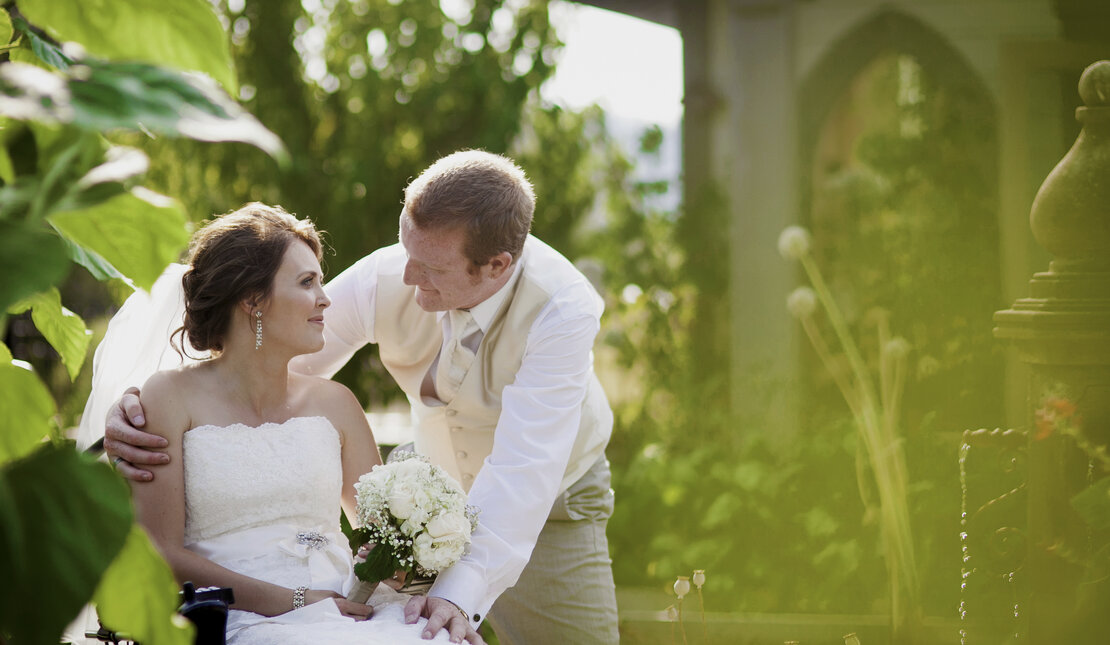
500	263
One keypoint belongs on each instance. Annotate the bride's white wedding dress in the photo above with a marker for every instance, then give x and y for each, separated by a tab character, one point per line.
264	501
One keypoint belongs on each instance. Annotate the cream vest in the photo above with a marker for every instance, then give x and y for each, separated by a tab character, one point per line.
459	435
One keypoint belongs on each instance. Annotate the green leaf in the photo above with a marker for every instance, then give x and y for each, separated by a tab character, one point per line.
44	50
1093	504
31	260
100	268
99	95
63	329
379	565
6	30
28	409
182	34
65	518
7	171
138	595
138	233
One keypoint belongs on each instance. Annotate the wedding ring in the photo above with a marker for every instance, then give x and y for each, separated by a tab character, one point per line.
115	461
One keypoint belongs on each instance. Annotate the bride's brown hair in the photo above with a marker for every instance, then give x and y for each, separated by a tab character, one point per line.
232	258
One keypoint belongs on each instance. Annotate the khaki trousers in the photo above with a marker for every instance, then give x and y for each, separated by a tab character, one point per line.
566	593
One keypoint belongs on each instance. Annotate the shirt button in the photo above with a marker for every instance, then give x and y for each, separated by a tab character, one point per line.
461	454
477	618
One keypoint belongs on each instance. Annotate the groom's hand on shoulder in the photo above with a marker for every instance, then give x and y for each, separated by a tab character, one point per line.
441	614
126	445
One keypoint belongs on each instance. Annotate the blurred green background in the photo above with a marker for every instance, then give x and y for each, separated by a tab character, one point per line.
901	202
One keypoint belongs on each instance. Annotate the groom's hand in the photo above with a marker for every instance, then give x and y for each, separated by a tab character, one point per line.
441	614
125	445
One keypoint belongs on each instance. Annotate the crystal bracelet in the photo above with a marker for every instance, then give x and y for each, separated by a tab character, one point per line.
298	597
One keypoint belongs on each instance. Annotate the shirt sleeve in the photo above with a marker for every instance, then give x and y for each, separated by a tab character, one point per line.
349	320
522	477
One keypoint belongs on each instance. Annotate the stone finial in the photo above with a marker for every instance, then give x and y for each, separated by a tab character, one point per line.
1094	85
1071	213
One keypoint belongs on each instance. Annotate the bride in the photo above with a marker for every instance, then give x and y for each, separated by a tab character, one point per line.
261	458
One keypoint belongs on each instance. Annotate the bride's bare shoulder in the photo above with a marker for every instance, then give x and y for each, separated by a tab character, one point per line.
316	388
168	395
329	398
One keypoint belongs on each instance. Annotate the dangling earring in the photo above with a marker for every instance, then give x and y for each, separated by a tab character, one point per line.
258	330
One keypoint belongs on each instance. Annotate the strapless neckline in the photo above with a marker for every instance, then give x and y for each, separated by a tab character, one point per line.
263	425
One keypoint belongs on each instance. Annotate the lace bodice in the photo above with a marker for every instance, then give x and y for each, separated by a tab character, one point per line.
240	477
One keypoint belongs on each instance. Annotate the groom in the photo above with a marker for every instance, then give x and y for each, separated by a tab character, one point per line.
489	332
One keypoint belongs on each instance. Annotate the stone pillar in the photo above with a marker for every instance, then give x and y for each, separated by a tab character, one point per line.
754	67
1062	331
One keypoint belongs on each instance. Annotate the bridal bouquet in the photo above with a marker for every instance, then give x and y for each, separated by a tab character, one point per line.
417	517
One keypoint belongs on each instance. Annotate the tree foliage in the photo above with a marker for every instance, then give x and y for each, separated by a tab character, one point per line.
69	197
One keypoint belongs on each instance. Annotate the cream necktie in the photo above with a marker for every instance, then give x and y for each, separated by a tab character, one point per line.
455	357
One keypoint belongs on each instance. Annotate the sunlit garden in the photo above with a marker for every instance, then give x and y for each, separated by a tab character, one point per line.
924	463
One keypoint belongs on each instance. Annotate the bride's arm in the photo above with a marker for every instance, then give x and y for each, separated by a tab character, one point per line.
360	450
160	507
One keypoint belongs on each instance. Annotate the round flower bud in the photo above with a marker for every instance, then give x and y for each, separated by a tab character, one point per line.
897	348
699	577
794	242
682	586
802	302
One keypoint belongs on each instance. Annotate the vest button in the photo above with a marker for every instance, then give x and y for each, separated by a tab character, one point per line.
451	412
455	428
467	477
461	454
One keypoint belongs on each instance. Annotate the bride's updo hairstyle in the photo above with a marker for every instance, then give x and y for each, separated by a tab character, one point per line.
233	258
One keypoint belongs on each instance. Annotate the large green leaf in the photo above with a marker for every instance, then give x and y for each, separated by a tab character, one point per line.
45	52
28	409
182	34
62	328
99	95
65	517
31	260
100	268
5	27
138	233
7	171
138	595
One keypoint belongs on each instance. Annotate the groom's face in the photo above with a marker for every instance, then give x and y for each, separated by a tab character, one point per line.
443	276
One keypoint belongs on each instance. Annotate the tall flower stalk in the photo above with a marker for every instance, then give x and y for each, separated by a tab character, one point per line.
875	410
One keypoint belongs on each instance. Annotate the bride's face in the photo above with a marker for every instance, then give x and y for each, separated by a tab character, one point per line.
294	315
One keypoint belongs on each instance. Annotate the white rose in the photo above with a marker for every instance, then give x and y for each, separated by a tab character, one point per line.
408	468
448	551
449	524
437	554
401	500
423	549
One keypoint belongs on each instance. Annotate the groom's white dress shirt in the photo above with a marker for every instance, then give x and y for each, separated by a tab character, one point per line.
548	419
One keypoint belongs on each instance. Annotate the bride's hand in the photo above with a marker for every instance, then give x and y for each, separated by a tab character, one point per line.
125	445
355	610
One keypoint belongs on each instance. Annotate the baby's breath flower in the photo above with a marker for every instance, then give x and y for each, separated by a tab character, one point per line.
794	242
